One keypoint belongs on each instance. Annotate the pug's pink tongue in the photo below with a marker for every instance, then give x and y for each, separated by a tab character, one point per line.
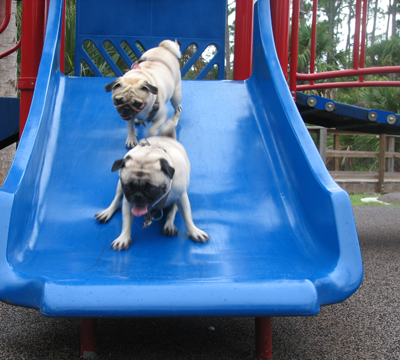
139	210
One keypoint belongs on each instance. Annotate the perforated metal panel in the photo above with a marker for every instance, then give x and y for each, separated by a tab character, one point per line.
121	29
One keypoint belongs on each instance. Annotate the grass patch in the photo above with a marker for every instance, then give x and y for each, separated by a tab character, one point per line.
356	200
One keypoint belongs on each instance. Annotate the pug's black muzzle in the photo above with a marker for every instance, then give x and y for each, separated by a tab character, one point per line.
127	113
128	110
143	195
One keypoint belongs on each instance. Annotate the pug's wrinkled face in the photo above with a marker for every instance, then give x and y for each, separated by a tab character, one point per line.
130	96
144	181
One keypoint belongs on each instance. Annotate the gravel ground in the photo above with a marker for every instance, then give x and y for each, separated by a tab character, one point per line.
366	326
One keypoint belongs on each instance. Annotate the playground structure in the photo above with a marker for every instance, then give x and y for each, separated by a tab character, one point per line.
283	234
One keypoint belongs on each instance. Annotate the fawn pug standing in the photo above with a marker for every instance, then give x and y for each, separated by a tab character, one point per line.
153	175
143	92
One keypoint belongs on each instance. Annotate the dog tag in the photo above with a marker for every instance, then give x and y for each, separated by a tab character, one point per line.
146	224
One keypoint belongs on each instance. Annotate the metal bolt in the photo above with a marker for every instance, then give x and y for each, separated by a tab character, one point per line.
372	116
329	106
311	101
293	92
391	119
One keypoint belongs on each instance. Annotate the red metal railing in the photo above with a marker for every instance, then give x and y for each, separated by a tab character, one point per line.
358	68
7	14
3	26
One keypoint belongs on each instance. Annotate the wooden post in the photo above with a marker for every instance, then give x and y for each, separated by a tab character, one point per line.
390	148
382	152
321	143
336	146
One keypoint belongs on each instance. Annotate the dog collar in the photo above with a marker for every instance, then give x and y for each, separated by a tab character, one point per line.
145	142
153	111
159	205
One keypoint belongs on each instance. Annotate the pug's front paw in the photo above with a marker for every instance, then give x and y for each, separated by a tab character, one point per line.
198	235
131	142
104	216
121	243
170	230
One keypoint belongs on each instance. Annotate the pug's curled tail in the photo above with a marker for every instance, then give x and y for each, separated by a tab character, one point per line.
172	46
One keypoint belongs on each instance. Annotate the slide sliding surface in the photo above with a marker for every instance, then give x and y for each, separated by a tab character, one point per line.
283	237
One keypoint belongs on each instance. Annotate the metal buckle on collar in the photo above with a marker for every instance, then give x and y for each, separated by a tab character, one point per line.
144	143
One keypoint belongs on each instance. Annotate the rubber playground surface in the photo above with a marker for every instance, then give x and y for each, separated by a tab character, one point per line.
365	326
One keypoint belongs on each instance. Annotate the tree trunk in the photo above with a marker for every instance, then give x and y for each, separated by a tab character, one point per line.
388	20
350	18
331	18
302	10
394	11
374	24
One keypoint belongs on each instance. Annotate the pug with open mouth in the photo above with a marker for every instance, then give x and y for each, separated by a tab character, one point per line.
142	93
153	175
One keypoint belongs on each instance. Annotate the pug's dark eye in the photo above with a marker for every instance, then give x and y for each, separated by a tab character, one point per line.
118	101
137	104
153	190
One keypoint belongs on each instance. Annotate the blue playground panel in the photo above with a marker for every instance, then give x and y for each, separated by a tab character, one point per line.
283	237
145	24
9	121
325	112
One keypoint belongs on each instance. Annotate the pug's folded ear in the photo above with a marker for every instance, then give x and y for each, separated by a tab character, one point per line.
119	164
112	85
167	168
150	88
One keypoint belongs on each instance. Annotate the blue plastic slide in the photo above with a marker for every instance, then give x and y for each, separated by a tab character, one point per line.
283	236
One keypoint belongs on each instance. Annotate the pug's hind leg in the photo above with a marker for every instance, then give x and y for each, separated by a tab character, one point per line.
169	228
158	123
176	104
195	233
131	140
168	130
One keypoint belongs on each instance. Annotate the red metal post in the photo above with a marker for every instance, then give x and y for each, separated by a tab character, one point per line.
32	38
263	338
88	337
280	10
313	38
243	39
294	48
